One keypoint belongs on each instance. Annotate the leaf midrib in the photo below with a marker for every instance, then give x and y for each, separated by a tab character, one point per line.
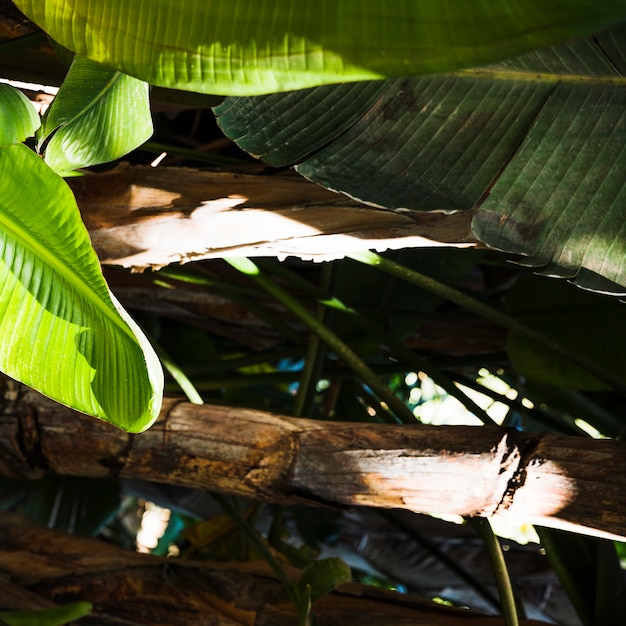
24	238
91	105
537	77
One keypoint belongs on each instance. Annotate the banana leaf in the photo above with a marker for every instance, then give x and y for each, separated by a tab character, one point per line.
244	47
18	118
98	116
535	145
61	330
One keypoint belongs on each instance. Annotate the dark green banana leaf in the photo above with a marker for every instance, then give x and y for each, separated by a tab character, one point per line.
536	145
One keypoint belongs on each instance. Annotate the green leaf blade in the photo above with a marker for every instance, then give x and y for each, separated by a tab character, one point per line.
63	332
244	47
561	203
98	116
590	325
534	144
18	118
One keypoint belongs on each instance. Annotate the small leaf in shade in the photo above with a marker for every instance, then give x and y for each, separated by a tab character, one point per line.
18	118
62	331
323	576
590	324
98	116
247	47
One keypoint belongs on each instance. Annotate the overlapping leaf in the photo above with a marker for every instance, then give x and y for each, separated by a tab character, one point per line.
243	47
18	118
98	116
61	330
536	144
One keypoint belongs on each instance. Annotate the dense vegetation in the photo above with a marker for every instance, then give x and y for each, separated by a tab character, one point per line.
530	144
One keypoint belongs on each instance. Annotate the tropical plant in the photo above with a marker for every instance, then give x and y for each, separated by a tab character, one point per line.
532	146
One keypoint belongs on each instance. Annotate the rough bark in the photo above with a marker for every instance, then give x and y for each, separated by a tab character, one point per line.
555	481
130	589
141	217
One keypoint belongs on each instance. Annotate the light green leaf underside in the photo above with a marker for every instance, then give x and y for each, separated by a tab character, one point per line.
61	330
245	47
98	116
18	118
536	144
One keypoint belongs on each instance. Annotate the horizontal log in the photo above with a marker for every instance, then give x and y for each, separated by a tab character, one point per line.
140	217
555	481
130	589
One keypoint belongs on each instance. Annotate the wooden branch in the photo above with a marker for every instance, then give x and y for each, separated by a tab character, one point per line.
143	217
130	589
555	481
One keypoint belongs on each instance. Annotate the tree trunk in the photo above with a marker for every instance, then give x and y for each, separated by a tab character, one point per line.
141	217
555	481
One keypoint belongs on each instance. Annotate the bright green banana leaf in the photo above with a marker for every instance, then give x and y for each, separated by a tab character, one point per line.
537	145
61	331
18	118
98	116
246	47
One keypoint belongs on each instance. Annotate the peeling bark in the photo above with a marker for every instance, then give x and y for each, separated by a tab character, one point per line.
141	217
555	481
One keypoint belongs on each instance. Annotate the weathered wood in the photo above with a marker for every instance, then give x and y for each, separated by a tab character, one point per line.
555	481
142	589
141	217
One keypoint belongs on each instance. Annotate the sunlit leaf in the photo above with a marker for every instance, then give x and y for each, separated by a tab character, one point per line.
98	116
243	47
18	118
62	331
536	144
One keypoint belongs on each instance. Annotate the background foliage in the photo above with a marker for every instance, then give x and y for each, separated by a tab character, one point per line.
533	144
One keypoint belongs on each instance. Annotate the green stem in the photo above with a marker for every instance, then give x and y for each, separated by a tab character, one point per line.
500	570
316	353
484	310
239	295
190	276
239	379
226	363
559	424
258	543
416	362
343	351
176	373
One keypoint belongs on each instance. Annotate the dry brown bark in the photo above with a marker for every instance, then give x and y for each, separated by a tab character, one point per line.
129	589
555	481
142	217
